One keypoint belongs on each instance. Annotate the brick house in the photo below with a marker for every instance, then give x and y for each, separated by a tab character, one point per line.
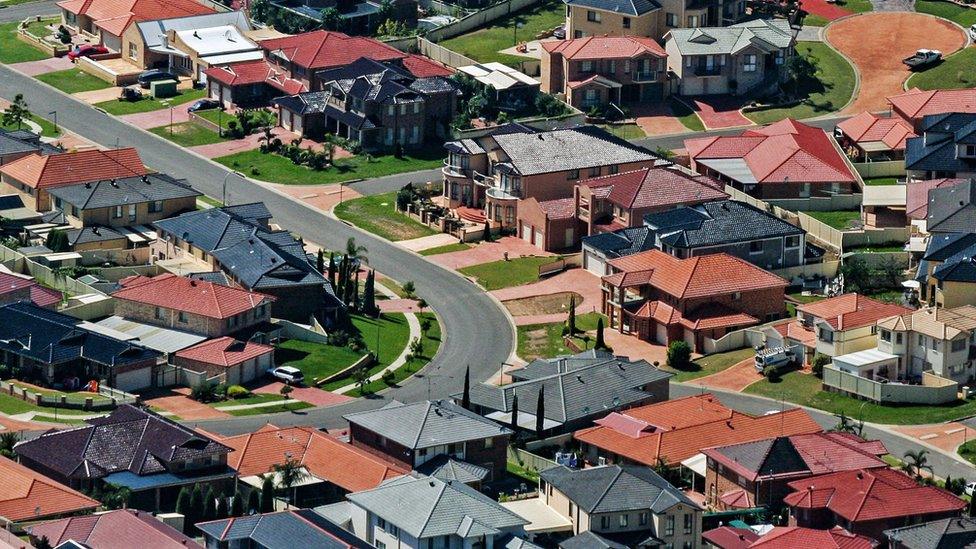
110	528
30	496
107	20
125	201
239	362
915	104
652	19
661	298
150	44
868	136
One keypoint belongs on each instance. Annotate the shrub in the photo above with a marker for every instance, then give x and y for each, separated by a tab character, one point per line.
236	391
772	373
817	365
679	355
204	392
339	338
389	378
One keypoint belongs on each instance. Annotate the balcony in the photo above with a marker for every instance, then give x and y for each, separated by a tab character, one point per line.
483	180
497	193
705	70
455	171
644	76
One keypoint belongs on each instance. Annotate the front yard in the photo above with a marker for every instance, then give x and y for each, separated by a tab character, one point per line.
484	44
147	103
377	214
546	340
188	134
47	127
263	398
278	169
503	274
947	10
686	115
956	71
10	405
431	343
712	364
446	249
12	50
73	81
839	219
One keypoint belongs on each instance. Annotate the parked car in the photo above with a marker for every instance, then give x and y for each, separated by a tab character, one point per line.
560	32
154	75
970	488
776	357
922	58
130	94
291	376
86	50
972	32
203	105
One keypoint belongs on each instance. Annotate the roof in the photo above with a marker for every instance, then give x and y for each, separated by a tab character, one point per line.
119	529
795	537
936	150
188	295
591	540
45	171
615	489
544	367
946	533
225	351
161	339
559	208
787	151
239	74
943	246
728	537
114	16
605	47
24	141
871	495
29	495
283	530
938	322
677	429
154	30
218	39
130	439
764	34
917	103
655	187
427	507
447	468
422	67
621	242
952	209
568	149
870	128
717	223
850	311
425	424
498	76
39	295
107	193
699	276
93	233
328	49
917	195
623	7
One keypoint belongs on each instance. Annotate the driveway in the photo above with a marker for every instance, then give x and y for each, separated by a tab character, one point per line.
719	111
160	117
486	252
657	119
734	378
877	42
312	395
179	403
320	197
893	5
579	281
44	66
823	9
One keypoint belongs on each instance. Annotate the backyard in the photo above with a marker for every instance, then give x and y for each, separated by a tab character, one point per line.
12	50
956	71
546	340
880	181
278	169
377	214
503	274
838	219
484	44
147	103
73	81
712	364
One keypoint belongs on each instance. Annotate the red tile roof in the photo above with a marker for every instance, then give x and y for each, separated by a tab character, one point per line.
119	529
849	311
225	351
45	297
678	429
917	103
192	296
867	127
656	188
785	151
29	495
794	537
114	16
917	198
327	49
254	72
703	318
605	47
875	494
560	208
39	295
727	537
56	170
422	67
701	276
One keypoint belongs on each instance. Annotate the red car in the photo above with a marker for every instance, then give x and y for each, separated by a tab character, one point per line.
86	50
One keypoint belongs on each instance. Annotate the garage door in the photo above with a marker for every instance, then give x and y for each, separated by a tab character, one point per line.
134	380
594	264
113	43
296	123
226	99
527	233
690	339
539	241
214	90
661	334
652	92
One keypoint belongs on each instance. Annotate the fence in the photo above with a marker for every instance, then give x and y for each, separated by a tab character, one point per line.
747	337
529	460
825	269
876	260
442	54
134	256
19	263
91	310
819	203
851	239
888	168
292	330
561	264
68	400
934	389
363	362
170	375
54	50
478	19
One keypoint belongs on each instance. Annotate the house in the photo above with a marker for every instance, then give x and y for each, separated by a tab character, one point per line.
729	537
216	46
574	392
947	253
279	530
599	70
513	89
151	44
867	502
868	137
118	529
237	362
16	144
239	241
676	430
937	339
107	20
651	19
946	147
915	104
95	237
125	201
741	59
334	467
952	208
755	474
629	505
414	434
53	348
662	298
17	287
132	447
29	496
917	198
195	306
33	175
787	159
949	532
600	248
884	206
790	537
379	105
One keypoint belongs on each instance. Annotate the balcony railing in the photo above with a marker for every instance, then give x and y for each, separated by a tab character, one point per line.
456	171
483	180
644	76
498	193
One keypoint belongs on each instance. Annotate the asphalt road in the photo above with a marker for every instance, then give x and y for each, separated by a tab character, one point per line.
20	12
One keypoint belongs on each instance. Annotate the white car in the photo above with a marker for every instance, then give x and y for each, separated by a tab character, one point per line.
972	33
291	376
970	488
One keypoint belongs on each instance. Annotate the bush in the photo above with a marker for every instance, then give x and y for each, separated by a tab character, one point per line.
204	392
679	355
817	365
236	392
389	378
772	373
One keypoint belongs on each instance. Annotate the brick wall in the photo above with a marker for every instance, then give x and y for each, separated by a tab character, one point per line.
495	457
368	440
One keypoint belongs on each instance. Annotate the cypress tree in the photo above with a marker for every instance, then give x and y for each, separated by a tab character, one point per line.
183	505
572	316
972	507
210	504
253	502
540	411
236	505
487	236
369	291
600	344
196	506
332	269
466	395
267	495
320	262
355	293
341	284
514	424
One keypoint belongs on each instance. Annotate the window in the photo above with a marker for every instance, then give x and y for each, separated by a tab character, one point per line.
614	169
132	212
594	171
416	107
642	518
182	317
958	345
489	443
671	20
379	544
403	109
133	50
689	523
573	174
921	341
592	16
605	522
792	241
159	314
686	545
898	339
391	110
886	335
780	57
669	525
117	213
756	247
156	206
826	335
586	66
626	22
749	62
623	520
692	21
422	452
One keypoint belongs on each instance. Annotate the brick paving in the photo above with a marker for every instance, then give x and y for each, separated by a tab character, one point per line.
160	117
486	252
178	402
734	378
98	96
720	111
823	9
657	119
10	424
944	436
43	66
399	306
312	395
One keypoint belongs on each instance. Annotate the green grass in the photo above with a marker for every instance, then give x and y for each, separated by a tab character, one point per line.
517	470
713	364
839	220
73	397
293	407
956	71
813	20
889	295
217	116
11	406
147	103
38	28
12	50
625	131
212	202
188	134
805	389
968	451
876	249
73	81
278	169
686	115
546	340
431	341
947	10
393	337
377	214
881	181
829	90
315	360
484	44
255	398
47	127
447	248
856	6
503	274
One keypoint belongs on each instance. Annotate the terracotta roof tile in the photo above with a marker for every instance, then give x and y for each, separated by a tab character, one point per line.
605	47
727	537
119	529
422	67
238	74
326	49
917	103
655	188
560	208
192	296
29	495
114	16
794	537
849	311
75	167
867	127
225	351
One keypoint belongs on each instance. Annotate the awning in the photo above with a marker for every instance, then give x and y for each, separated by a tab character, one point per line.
541	517
133	236
696	463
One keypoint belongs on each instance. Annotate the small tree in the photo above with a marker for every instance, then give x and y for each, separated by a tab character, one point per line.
421	304
817	364
57	241
210	505
236	505
183	506
285	391
679	355
369	294
253	502
487	232
196	506
972	507
417	347
17	112
290	473
267	495
425	325
540	411
600	343
571	323
408	288
356	251
331	19
361	377
857	276
916	461
43	543
320	262
332	269
466	395
8	439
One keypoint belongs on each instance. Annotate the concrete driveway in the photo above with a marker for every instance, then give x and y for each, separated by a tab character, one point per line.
44	66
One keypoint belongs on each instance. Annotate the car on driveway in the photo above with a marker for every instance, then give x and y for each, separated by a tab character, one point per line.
970	488
154	75
972	32
287	374
86	50
203	105
922	59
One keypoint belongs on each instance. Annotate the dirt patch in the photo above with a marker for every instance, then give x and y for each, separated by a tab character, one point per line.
542	304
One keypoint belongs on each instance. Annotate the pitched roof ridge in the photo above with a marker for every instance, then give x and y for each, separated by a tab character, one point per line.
613	480
423	423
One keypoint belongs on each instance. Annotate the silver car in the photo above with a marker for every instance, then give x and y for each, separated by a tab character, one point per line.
291	376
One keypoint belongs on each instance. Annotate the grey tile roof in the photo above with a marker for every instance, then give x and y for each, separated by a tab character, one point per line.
935	147
767	35
772	456
620	243
447	468
283	530
942	246
86	235
567	149
23	141
426	507
590	540
427	423
624	7
544	367
958	268
216	277
950	533
124	191
716	223
953	209
616	488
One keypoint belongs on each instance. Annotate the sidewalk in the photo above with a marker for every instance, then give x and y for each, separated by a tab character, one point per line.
428	242
312	395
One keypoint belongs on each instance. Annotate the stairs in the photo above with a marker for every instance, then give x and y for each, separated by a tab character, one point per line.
471	215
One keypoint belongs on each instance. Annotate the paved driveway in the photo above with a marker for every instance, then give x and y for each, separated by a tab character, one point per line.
657	119
160	117
734	378
824	9
486	252
312	395
179	403
44	66
719	111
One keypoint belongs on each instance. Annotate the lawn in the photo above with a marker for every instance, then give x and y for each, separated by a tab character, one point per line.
484	44
386	337
830	89
13	50
212	202
73	81
947	10
840	220
956	71
188	134
278	169
47	127
686	115
968	451
315	360
431	342
377	214
446	249
78	397
625	131
11	406
713	364
813	20
881	181
805	389
39	28
503	274
856	6
147	103
876	248
546	340
292	407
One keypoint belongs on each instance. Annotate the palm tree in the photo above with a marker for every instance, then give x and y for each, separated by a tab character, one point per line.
354	251
7	441
290	473
916	461
847	425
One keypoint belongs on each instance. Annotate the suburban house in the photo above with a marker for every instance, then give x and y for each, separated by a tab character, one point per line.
108	20
786	537
867	502
132	447
279	530
124	201
33	175
599	70
574	392
915	104
16	144
334	467
652	19
52	347
676	430
755	474
741	59
946	147
152	44
216	46
236	362
18	287
662	298
379	105
868	137
787	159
917	198
29	496
944	249
952	208
83	239
512	90
256	257
937	339
112	530
415	434
629	506
948	532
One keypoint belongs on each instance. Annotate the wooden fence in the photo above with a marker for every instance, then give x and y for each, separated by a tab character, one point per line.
478	19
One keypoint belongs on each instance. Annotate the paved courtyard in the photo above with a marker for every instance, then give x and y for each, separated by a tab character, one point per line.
178	402
160	117
657	119
719	111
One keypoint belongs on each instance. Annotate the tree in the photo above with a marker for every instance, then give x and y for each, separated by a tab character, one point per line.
8	439
369	294
332	269
236	505
916	461
361	377
540	411
320	262
183	506
486	236
196	505
115	497
285	391
355	292
847	425
466	395
408	288
210	505
57	241
857	276
253	502
679	355
972	507
355	251
43	543
600	343
17	112
425	325
514	423
290	473
267	495
571	323
331	19
421	304
799	70
417	347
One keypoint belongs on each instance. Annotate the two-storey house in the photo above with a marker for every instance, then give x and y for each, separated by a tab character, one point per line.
914	105
651	19
950	254
945	147
935	339
150	44
125	201
279	530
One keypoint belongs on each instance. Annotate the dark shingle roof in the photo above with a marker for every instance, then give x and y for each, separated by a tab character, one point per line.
935	148
616	488
945	245
283	530
123	191
958	268
950	533
624	7
544	367
427	423
567	149
953	209
716	223
447	468
24	141
619	243
86	235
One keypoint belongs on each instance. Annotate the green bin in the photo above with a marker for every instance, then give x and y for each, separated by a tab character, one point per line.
163	88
